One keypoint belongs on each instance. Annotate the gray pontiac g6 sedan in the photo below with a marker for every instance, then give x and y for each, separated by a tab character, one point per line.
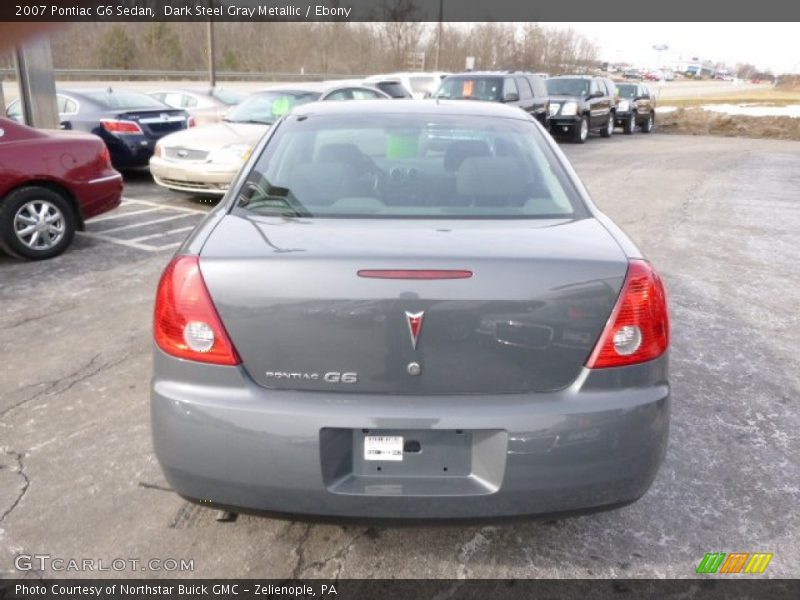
409	311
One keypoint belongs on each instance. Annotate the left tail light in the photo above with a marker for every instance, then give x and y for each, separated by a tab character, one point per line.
124	127
638	329
186	324
190	122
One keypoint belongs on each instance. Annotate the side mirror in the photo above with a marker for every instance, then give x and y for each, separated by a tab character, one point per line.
511	97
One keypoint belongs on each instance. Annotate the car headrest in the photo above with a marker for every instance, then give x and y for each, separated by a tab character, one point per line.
460	150
322	183
491	176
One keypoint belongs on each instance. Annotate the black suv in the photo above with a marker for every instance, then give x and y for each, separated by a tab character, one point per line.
636	107
517	88
580	103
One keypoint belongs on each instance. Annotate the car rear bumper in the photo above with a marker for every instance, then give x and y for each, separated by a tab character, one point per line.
99	195
192	176
222	440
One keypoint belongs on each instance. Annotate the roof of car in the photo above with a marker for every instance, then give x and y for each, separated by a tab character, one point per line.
413	107
574	77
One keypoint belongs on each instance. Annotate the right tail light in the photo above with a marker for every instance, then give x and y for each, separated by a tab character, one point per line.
638	328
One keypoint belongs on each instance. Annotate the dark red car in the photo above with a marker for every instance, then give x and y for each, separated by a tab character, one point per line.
50	183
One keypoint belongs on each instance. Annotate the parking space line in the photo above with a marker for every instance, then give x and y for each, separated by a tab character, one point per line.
162	234
164	206
123	214
127	243
144	224
147	207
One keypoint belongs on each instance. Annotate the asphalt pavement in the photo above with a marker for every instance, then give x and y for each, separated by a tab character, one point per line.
718	216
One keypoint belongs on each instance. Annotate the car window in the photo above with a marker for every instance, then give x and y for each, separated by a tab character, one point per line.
366	94
407	166
124	100
268	107
593	87
188	101
14	111
567	87
525	91
173	99
159	96
229	97
339	95
474	88
539	86
70	106
510	87
421	85
627	90
394	88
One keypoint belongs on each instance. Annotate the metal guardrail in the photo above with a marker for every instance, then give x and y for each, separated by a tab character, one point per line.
154	75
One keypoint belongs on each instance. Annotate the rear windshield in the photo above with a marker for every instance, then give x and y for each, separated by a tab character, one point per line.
229	97
626	90
268	107
568	87
408	166
394	88
125	100
471	88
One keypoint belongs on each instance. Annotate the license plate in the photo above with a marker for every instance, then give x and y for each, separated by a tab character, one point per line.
383	447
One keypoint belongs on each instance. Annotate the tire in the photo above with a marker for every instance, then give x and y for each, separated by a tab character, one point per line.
36	223
581	131
629	126
608	130
650	125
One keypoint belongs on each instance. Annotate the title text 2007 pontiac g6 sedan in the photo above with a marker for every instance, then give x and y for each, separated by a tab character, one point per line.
410	310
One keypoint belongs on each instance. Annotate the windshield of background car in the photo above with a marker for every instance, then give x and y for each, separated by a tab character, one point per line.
229	97
422	85
125	100
394	88
471	88
268	107
408	166
568	87
626	90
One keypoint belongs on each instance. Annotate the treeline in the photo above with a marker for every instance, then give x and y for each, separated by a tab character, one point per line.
325	48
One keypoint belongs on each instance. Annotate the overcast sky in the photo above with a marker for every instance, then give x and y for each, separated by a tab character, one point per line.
774	46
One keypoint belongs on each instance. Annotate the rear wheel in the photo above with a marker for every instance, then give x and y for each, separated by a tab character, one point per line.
608	130
36	223
629	126
650	125
581	130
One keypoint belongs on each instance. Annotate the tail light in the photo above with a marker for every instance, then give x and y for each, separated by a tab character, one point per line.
186	324
115	126
190	122
105	157
638	329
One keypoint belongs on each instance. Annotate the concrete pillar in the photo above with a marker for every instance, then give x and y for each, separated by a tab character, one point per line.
37	83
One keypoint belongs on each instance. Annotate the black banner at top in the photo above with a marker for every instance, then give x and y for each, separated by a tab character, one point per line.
395	10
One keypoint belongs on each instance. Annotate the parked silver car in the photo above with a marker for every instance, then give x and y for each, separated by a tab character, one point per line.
409	310
206	159
206	106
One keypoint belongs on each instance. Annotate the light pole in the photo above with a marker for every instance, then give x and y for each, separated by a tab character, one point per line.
212	73
439	34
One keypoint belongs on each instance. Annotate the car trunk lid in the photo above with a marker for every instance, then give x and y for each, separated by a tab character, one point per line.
524	319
